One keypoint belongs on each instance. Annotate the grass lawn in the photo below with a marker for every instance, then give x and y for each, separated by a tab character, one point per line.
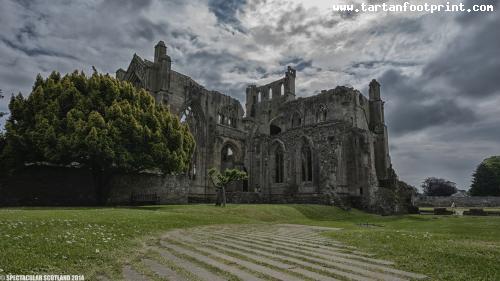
91	240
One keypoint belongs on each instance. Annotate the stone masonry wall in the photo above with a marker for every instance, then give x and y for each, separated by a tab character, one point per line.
446	201
61	186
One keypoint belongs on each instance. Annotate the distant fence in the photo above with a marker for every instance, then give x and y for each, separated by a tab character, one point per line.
446	201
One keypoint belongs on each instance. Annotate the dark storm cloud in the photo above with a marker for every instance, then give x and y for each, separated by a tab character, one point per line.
471	64
467	18
411	107
148	30
225	11
300	22
397	25
298	63
377	63
208	67
411	117
484	131
34	51
469	68
443	120
126	5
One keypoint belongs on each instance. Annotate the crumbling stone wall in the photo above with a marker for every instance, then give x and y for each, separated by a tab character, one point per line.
43	185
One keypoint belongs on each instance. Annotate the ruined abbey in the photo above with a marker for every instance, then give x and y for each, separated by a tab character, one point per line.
328	148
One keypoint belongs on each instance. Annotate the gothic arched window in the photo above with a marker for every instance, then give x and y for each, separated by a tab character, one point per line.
306	163
278	165
321	113
227	154
296	120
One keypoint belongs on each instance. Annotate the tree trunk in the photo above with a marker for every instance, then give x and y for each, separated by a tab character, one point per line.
223	196
218	198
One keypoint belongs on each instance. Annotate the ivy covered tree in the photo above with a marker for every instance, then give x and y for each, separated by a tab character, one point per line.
221	180
486	178
99	122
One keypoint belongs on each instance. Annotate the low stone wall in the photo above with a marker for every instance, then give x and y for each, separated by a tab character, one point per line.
297	198
61	186
446	201
169	189
239	197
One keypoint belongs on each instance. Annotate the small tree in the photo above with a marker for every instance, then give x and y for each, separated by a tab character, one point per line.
104	124
486	178
221	180
438	187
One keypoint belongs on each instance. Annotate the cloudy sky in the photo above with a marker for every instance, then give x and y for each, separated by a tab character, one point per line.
439	72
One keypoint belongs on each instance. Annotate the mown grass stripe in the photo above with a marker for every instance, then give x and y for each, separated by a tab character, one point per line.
286	267
348	265
282	263
129	274
208	266
250	264
164	272
323	243
319	268
335	257
154	254
184	249
319	249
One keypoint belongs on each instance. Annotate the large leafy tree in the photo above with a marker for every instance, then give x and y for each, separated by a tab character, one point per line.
438	187
486	178
104	124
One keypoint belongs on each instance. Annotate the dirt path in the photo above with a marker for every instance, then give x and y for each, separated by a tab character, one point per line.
259	252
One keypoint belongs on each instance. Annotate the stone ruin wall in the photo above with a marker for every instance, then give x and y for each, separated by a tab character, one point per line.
345	131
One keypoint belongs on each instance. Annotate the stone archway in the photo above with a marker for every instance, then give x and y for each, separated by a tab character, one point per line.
193	116
231	158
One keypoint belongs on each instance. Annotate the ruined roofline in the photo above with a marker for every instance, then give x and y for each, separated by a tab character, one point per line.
290	71
334	91
138	62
